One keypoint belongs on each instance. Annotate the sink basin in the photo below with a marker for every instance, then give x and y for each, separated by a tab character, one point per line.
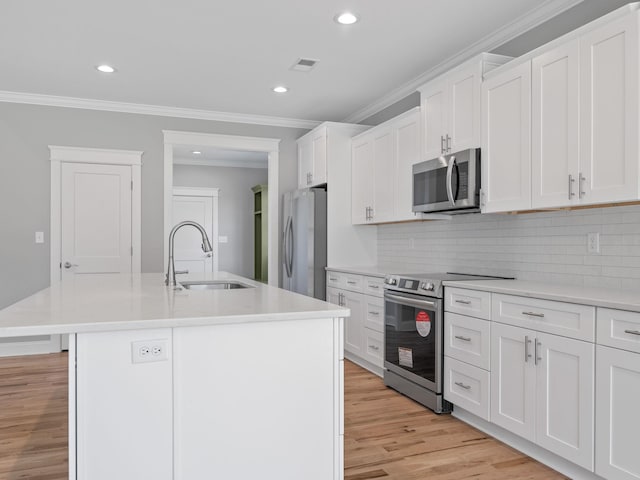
214	285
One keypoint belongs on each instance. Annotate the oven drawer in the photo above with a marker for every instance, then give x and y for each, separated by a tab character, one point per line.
467	387
374	313
619	329
374	286
558	318
467	339
468	302
374	347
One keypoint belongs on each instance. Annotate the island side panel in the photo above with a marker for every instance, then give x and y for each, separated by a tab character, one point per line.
72	406
257	400
124	409
338	375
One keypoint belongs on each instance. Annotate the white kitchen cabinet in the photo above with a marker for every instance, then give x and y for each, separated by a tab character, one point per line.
542	389
312	158
617	418
382	161
354	325
433	102
555	160
506	140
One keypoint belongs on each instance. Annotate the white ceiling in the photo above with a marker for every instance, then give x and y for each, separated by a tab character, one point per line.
226	56
219	157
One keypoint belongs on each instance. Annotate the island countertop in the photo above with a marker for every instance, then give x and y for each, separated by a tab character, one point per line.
95	303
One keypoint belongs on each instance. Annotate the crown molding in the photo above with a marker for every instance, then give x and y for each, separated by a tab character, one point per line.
533	18
158	110
221	163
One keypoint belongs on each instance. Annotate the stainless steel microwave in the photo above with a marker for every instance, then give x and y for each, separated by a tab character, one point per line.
450	183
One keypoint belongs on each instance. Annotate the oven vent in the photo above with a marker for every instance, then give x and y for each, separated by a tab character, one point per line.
304	65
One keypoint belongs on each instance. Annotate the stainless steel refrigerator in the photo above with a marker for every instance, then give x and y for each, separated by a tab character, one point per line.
304	242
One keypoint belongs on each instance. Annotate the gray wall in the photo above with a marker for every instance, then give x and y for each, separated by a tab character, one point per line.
401	106
235	209
25	133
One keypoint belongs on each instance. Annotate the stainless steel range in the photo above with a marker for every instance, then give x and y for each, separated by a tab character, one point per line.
413	332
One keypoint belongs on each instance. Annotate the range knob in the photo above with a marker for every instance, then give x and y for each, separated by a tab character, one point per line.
427	286
390	281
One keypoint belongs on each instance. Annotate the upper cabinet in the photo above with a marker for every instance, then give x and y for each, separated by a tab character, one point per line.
451	107
312	158
583	122
382	159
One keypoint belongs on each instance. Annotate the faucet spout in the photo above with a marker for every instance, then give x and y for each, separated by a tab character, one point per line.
206	247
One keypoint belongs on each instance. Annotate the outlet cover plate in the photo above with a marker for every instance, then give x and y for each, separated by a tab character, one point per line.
147	351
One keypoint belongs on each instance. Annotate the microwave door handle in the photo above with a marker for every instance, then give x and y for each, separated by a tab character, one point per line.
452	162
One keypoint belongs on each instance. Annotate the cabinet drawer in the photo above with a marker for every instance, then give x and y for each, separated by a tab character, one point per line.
467	339
468	302
567	319
334	279
374	347
619	329
374	313
374	286
467	387
346	281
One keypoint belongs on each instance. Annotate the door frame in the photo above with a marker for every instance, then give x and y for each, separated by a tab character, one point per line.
60	155
212	193
229	142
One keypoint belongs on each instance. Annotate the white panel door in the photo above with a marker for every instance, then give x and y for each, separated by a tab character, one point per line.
188	254
565	391
617	418
354	325
361	179
506	140
609	116
95	219
434	110
555	161
513	379
384	175
407	147
464	109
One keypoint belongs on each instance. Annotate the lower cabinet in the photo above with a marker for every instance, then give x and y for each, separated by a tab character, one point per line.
617	414
542	388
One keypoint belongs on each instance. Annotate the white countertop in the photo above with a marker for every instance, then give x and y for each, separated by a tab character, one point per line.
599	297
91	303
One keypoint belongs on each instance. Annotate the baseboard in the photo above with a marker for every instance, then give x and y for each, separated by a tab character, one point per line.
546	457
364	364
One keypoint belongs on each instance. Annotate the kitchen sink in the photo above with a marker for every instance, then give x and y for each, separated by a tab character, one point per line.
214	285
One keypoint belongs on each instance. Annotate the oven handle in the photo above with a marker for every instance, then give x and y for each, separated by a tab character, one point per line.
410	301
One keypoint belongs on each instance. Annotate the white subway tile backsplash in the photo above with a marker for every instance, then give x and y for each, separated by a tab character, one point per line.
544	246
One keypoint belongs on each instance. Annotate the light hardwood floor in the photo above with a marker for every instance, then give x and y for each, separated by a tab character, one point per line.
387	436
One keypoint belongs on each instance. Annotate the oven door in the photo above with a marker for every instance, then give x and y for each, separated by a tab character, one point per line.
449	182
413	338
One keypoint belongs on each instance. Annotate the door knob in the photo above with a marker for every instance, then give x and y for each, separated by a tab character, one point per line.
69	265
209	255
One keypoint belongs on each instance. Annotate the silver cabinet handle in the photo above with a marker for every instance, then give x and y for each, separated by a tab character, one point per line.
534	314
581	179
462	385
69	265
448	144
464	302
374	347
632	332
351	282
538	358
375	314
464	339
333	279
527	355
441	143
374	286
571	181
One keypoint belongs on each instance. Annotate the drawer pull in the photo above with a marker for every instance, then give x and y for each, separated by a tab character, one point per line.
351	282
632	332
464	339
333	279
462	385
374	286
534	314
373	347
378	313
464	302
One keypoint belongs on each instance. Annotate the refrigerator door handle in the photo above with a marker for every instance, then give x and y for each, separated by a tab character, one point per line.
285	247
291	247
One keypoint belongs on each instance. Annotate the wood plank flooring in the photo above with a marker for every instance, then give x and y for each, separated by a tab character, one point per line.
390	437
387	436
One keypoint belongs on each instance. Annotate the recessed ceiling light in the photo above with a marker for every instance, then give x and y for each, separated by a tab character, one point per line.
280	89
346	18
105	68
197	152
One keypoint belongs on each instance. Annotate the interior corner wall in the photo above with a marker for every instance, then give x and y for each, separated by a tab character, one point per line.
235	210
26	131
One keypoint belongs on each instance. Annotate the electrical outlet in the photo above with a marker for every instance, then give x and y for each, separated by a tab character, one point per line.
146	351
39	237
593	242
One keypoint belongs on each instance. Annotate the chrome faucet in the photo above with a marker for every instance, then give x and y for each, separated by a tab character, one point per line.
206	247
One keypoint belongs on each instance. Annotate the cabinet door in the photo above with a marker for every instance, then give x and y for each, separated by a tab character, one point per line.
354	325
617	418
506	140
464	109
555	127
407	153
361	179
513	379
319	165
609	115
565	391
384	175
305	162
333	294
434	113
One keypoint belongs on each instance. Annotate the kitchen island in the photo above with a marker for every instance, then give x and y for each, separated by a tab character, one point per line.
190	384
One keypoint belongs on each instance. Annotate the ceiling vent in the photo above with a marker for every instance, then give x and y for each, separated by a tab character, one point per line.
304	65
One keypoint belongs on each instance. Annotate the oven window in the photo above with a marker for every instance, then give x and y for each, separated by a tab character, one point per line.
410	339
430	187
